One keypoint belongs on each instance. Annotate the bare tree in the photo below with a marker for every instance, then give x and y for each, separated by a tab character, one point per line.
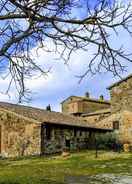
26	24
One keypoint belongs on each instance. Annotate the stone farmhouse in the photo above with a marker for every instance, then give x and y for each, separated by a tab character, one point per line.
32	131
115	114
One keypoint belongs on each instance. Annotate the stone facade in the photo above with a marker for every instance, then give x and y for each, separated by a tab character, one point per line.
121	96
124	130
65	103
80	105
96	117
117	116
121	110
19	136
32	131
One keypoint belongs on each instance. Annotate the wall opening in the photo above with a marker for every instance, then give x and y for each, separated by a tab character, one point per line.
116	125
67	143
42	139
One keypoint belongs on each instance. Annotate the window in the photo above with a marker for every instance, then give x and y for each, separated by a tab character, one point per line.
116	125
48	132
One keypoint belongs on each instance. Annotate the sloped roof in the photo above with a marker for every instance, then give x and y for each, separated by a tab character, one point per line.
13	114
102	111
120	81
72	96
44	116
83	98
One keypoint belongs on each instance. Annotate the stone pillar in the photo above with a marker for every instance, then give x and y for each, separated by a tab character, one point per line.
43	138
91	140
53	134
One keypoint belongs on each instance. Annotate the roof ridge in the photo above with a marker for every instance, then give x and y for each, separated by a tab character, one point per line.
88	99
26	106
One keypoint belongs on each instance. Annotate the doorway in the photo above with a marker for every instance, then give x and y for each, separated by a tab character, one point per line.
68	143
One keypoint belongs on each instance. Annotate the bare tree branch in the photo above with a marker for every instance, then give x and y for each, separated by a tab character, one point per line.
27	24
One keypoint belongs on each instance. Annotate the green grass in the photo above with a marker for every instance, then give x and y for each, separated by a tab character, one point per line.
53	170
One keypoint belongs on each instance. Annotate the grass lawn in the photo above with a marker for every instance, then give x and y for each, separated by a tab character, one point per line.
56	169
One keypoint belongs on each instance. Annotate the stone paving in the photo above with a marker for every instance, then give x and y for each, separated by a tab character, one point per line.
99	179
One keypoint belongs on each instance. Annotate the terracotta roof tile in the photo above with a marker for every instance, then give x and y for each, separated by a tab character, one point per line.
47	116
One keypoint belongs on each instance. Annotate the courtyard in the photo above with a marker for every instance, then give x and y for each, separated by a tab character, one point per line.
78	168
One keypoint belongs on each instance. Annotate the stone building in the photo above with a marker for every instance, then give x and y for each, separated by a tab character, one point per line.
121	109
79	105
115	114
121	95
32	131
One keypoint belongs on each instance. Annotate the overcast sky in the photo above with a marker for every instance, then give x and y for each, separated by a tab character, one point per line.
62	81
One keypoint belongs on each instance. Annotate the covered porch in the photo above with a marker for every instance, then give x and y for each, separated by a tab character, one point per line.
57	137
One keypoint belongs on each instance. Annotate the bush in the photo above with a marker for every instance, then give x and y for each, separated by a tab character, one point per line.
108	141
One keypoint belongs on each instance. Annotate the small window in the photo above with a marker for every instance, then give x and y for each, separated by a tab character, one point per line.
80	133
116	125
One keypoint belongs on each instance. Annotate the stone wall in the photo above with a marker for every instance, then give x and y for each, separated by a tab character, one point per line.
95	119
19	136
126	127
91	106
124	133
83	106
64	105
121	96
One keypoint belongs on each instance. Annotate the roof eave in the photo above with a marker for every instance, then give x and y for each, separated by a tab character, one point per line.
88	114
80	126
118	82
67	99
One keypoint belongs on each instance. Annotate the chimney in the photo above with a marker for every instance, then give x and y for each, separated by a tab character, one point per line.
87	94
101	97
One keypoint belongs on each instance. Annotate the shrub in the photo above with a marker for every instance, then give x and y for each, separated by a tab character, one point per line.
108	141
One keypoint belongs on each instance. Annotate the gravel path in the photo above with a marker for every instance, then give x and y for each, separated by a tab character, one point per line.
99	179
